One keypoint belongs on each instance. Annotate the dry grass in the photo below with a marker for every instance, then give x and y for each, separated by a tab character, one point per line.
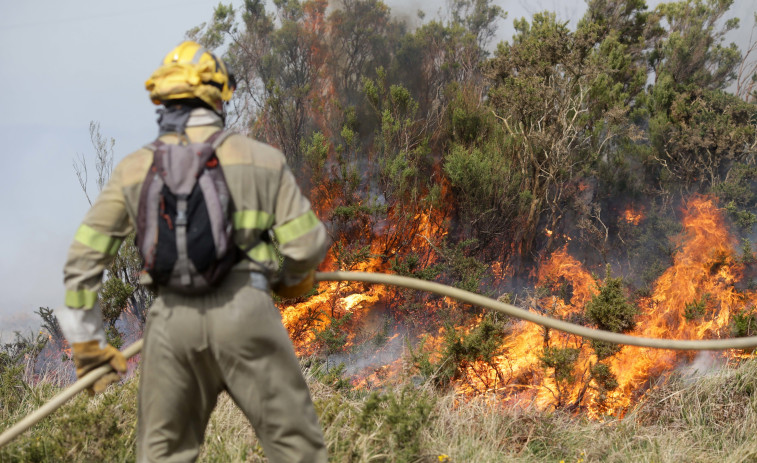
683	419
229	436
703	419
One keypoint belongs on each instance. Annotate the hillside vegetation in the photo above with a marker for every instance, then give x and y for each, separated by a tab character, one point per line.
704	417
602	172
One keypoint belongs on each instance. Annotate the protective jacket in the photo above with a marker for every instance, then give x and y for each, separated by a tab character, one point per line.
267	204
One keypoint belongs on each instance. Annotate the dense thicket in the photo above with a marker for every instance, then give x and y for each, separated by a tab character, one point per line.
392	121
497	155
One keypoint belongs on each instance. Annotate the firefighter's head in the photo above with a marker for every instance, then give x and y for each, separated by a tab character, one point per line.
191	73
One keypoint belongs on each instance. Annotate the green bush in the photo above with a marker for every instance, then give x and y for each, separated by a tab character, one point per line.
610	310
459	351
383	426
86	429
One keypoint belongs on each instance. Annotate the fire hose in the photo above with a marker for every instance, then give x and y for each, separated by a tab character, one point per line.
421	285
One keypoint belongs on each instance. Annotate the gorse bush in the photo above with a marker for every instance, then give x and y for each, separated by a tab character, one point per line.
85	429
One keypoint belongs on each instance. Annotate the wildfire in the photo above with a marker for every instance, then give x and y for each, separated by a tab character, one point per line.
633	216
60	347
518	374
693	299
500	270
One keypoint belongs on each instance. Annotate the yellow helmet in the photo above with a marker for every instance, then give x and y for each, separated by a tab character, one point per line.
190	71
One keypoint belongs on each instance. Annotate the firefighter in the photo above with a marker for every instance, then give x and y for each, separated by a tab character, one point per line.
231	338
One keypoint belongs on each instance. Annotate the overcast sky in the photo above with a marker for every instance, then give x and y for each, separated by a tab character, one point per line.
64	64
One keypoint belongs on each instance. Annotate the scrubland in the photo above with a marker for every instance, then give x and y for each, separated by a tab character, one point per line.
692	418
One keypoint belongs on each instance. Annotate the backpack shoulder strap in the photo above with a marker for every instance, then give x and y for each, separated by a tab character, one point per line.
215	140
154	145
218	138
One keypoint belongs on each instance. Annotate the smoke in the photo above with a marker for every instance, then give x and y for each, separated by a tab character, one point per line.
410	12
369	357
704	364
383	343
19	322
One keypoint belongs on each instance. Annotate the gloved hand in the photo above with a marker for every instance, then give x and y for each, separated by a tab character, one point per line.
297	290
88	356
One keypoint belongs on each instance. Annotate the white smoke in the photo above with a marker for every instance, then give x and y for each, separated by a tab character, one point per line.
705	363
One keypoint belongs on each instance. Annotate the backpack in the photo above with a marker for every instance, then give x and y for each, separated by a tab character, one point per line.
184	230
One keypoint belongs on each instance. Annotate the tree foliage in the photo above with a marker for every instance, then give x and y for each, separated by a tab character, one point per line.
610	310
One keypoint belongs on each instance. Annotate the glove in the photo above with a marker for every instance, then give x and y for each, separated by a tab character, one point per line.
88	356
296	290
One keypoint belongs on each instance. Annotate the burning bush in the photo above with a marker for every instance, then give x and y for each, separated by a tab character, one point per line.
610	310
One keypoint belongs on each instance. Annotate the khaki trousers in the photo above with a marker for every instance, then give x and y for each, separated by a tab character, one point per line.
231	339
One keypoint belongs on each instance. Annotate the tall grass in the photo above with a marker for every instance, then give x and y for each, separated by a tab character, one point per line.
707	418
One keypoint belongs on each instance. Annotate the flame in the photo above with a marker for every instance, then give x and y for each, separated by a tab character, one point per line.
59	347
693	299
518	374
633	216
703	275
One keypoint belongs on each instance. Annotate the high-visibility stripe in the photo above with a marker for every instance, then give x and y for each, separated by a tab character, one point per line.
101	242
82	299
263	252
252	219
296	228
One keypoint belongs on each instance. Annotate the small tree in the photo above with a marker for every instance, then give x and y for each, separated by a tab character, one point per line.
609	310
471	358
693	51
334	336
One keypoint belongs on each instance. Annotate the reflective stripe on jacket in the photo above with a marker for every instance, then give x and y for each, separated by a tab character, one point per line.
266	200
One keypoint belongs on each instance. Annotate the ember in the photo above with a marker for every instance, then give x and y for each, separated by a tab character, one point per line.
633	216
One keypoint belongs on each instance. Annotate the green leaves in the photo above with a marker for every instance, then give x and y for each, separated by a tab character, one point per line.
477	350
562	360
698	132
610	310
213	35
693	53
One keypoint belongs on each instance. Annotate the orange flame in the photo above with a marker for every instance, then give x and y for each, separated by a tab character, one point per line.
633	215
693	299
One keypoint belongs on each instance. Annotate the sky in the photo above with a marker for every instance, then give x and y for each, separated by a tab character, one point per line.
64	64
